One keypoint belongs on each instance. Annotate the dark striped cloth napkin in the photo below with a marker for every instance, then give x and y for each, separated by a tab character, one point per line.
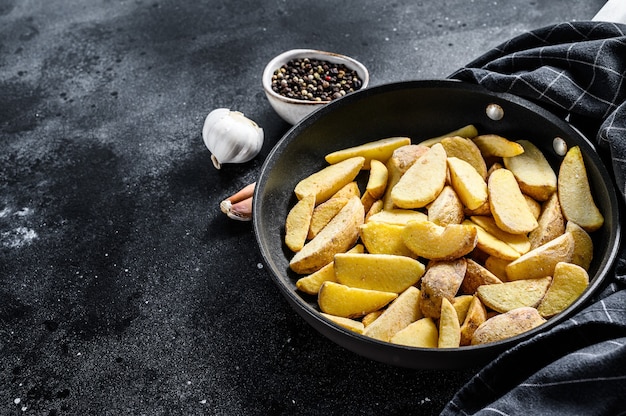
577	70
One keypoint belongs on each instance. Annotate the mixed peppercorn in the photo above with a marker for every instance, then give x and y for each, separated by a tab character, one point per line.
314	80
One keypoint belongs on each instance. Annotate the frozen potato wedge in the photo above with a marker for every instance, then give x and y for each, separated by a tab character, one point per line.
512	295
469	185
551	223
339	235
532	171
429	240
423	181
491	245
465	149
476	315
422	333
507	325
519	242
497	266
351	302
376	207
371	317
583	245
446	208
400	161
351	324
383	272
399	314
376	150
508	205
449	326
574	192
377	181
298	223
398	216
568	283
348	190
384	238
323	213
491	145
461	304
441	280
327	181
469	131
541	261
476	276
311	284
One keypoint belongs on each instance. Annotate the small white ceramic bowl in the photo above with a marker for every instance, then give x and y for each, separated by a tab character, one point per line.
293	110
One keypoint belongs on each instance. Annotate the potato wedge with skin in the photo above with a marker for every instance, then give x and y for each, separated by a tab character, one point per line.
400	161
469	131
574	191
532	171
323	213
507	325
494	145
351	302
399	314
311	284
491	245
449	326
465	149
348	190
476	276
476	315
298	223
541	261
327	181
376	207
515	294
446	208
377	181
376	150
398	216
367	200
422	333
583	245
441	280
429	240
519	242
568	283
371	317
508	206
351	324
423	181
461	304
533	206
497	267
384	238
467	182
339	235
383	272
551	223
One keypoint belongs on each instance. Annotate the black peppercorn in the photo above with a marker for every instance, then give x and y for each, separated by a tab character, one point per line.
314	80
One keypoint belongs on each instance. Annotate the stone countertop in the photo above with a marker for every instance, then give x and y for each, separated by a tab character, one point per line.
123	288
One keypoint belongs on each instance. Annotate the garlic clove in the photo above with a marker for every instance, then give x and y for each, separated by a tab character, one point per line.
239	205
231	137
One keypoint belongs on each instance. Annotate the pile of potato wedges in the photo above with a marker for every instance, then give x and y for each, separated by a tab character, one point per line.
463	239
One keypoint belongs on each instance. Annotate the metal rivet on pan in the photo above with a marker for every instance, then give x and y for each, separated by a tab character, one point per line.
495	112
559	146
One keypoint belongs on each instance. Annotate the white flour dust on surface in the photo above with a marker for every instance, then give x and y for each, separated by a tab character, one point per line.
18	235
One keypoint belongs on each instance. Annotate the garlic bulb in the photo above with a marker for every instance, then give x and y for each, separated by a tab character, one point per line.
231	137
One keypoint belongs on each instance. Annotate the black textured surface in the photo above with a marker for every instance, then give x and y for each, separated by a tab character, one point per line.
123	289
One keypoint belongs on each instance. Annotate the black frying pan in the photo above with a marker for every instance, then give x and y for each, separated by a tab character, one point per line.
420	110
